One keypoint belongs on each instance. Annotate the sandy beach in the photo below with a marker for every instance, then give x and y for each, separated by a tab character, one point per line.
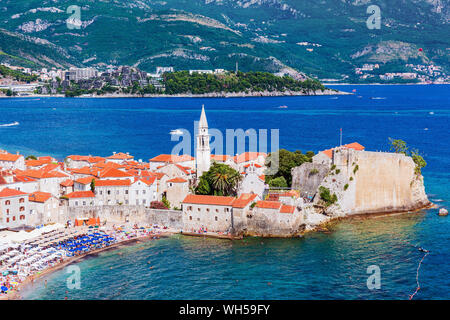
29	281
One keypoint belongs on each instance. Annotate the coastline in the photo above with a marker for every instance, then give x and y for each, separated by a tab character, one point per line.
322	227
326	92
16	295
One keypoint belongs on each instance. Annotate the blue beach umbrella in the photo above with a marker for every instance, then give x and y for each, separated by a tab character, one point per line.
4	288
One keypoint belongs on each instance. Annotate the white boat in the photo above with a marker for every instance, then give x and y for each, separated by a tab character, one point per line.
282	107
176	132
10	124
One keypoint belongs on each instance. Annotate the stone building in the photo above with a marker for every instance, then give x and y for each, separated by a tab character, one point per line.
10	161
211	212
14	208
44	208
177	190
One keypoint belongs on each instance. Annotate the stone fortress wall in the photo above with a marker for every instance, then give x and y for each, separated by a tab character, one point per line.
375	182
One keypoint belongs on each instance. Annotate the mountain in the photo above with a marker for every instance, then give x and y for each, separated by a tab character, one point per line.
325	39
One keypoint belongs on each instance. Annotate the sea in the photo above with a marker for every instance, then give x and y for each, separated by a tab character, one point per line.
338	264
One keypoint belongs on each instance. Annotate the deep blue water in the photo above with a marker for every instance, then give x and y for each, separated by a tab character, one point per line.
319	266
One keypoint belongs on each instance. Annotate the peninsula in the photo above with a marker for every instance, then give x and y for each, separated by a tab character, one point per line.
127	81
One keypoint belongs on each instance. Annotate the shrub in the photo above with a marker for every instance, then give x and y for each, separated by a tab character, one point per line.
338	171
326	196
333	167
356	169
351	178
346	187
313	172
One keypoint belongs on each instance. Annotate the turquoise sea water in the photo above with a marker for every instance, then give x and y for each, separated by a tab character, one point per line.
318	266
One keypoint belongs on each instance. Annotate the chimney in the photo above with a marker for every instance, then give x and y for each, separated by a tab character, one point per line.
114	152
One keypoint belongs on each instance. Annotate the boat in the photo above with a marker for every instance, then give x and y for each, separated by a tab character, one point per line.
431	113
282	107
176	132
443	212
10	124
377	98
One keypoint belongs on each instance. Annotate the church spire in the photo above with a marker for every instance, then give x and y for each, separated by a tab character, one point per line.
203	154
203	122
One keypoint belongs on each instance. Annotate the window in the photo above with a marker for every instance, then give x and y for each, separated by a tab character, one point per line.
101	192
143	191
14	218
76	203
143	201
217	210
137	191
118	192
190	218
22	209
126	191
7	203
126	201
7	220
207	209
7	211
84	203
21	200
109	192
216	218
22	217
198	209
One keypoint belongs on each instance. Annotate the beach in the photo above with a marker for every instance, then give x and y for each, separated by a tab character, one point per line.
138	236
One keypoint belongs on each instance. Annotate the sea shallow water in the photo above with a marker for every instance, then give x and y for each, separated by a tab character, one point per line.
318	266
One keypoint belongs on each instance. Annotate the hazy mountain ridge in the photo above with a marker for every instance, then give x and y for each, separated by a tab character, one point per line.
217	33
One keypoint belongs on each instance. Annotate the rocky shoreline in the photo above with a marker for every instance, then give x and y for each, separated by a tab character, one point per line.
327	92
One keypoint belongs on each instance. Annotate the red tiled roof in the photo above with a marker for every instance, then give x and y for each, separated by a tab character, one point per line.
287	209
148	180
9	157
7	192
220	157
247	156
112	183
354	145
212	200
120	156
244	200
171	158
39	196
113	173
42	174
268	204
80	194
23	179
177	180
85	180
67	183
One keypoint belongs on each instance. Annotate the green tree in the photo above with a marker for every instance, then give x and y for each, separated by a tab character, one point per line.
93	185
166	202
279	182
326	196
398	146
286	160
419	161
220	180
31	157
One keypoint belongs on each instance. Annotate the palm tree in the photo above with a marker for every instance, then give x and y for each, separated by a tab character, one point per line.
224	179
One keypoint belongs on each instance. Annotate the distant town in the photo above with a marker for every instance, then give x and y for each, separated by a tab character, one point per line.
131	81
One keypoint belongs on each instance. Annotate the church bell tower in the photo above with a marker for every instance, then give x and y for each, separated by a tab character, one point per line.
203	152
